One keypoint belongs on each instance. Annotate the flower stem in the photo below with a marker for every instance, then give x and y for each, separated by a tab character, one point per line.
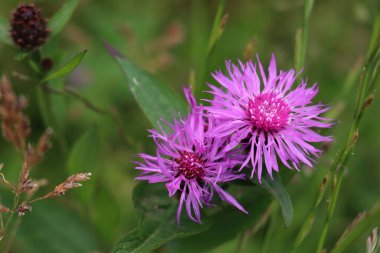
309	222
272	227
367	79
216	32
302	36
46	109
12	235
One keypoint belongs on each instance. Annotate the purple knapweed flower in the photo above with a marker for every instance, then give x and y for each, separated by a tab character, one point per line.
190	163
267	117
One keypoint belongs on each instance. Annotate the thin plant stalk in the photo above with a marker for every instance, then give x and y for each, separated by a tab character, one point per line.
302	36
216	32
309	222
44	101
12	235
338	168
272	227
251	231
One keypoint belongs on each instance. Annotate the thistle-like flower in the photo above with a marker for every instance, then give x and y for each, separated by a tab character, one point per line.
190	163
262	114
28	27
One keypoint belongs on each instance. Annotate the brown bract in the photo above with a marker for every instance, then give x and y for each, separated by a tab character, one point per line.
70	183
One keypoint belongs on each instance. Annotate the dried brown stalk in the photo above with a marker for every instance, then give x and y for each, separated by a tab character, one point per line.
15	124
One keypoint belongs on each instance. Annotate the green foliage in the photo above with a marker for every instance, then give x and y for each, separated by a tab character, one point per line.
4	31
60	18
140	29
275	187
67	68
227	222
157	221
54	228
364	223
22	54
83	157
155	99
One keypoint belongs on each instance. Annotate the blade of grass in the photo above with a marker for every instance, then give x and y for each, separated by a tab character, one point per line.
302	36
337	169
216	32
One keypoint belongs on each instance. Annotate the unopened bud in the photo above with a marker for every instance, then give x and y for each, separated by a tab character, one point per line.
28	27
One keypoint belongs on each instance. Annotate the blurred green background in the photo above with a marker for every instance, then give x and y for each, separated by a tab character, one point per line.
169	38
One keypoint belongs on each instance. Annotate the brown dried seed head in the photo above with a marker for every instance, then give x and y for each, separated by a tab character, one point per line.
23	209
28	185
15	125
80	177
70	183
44	142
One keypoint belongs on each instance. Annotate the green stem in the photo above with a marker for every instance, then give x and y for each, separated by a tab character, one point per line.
302	44
216	32
242	239
12	235
338	167
272	227
309	222
46	109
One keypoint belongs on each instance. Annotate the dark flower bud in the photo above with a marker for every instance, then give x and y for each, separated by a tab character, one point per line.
47	63
28	27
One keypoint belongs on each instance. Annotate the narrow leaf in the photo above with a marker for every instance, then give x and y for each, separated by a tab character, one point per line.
360	226
83	157
227	222
157	221
4	31
62	231
67	68
22	54
155	99
59	20
277	189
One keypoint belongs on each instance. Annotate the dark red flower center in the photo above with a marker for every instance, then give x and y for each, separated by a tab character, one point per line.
28	27
189	165
268	112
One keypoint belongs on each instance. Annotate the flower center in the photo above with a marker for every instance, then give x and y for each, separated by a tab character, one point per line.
268	112
189	165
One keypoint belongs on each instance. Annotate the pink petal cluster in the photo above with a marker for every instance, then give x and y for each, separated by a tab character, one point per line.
266	116
191	163
255	120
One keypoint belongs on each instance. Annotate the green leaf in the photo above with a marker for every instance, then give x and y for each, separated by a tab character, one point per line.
155	99
157	221
67	68
362	224
4	32
227	223
60	19
103	205
22	54
83	158
51	227
277	189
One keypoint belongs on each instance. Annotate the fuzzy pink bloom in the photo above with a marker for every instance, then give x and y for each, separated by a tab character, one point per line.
268	118
191	164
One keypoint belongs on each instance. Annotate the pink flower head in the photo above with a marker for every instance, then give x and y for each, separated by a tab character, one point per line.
268	118
190	163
